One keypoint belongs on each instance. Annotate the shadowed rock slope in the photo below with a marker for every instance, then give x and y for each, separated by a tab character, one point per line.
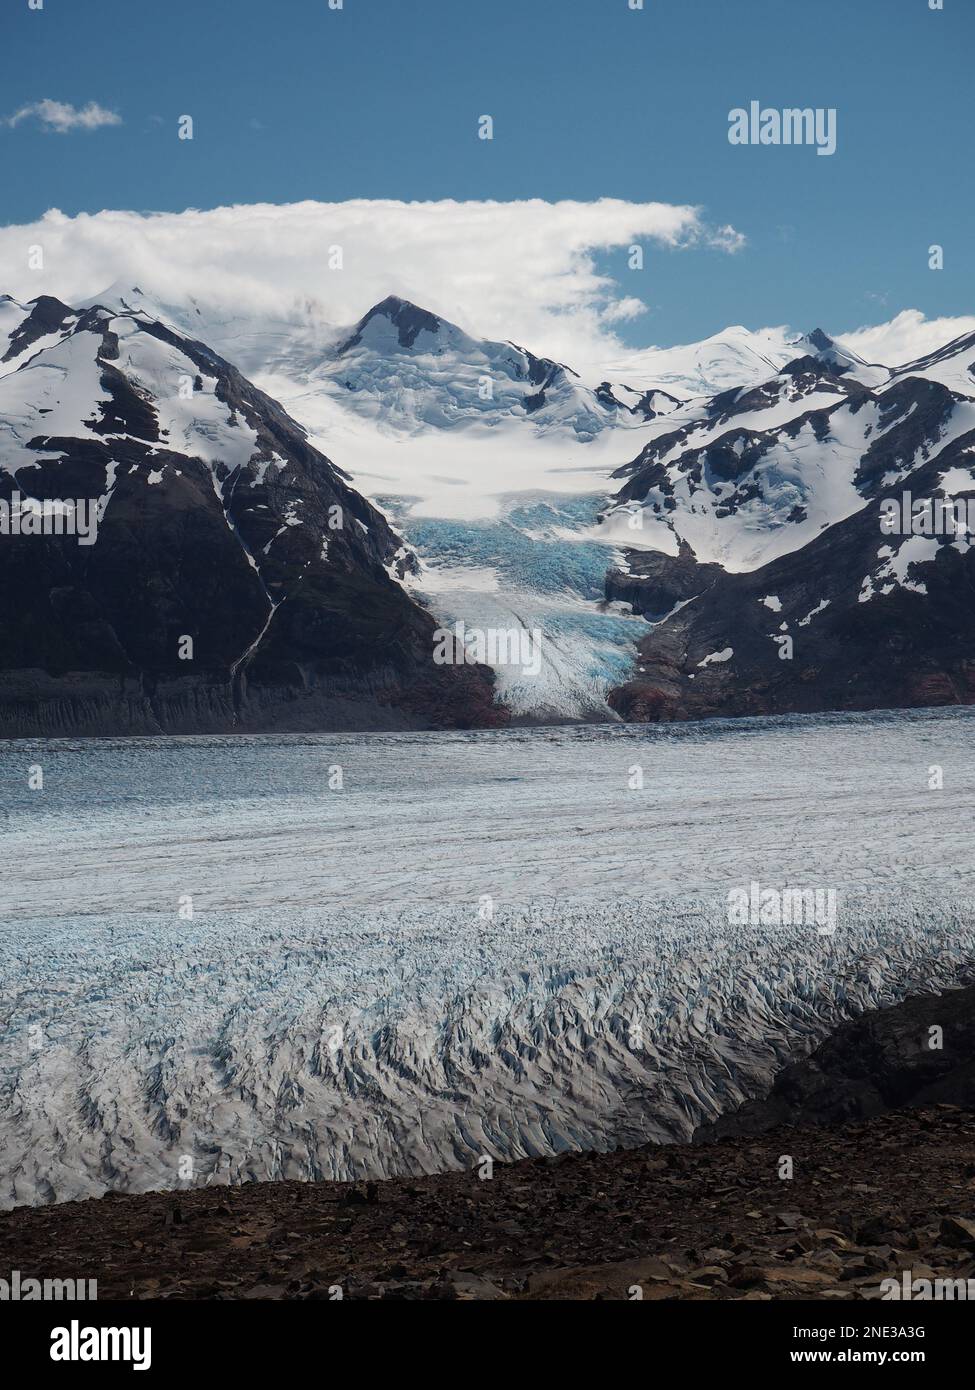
219	523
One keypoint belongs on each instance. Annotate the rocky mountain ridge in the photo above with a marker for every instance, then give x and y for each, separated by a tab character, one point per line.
775	587
238	581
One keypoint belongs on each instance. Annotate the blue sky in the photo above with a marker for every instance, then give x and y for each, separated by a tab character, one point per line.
294	101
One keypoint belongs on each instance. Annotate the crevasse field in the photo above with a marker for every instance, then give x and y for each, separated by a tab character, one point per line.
483	943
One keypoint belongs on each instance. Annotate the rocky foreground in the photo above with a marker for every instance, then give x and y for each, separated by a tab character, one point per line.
866	1202
880	1194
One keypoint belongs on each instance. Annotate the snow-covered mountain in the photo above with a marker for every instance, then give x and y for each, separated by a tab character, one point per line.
235	579
952	365
731	359
408	371
751	474
497	465
407	368
761	559
494	464
506	492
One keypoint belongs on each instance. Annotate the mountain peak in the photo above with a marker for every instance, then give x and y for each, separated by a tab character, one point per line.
407	318
820	340
831	354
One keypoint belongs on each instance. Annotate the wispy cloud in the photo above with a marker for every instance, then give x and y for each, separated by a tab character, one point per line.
61	116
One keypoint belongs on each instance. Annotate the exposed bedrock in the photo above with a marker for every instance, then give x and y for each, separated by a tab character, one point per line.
918	1053
654	583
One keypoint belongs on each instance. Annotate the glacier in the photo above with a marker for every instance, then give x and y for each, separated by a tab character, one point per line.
482	944
501	471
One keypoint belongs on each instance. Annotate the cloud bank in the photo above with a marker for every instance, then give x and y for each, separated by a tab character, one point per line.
907	337
526	270
61	116
523	270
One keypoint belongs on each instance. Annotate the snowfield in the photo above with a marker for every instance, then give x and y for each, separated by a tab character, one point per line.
483	944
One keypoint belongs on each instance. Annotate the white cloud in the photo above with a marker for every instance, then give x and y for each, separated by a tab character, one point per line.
623	309
906	337
61	116
523	270
727	238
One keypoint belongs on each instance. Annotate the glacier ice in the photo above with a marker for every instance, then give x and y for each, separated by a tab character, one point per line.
486	943
352	1045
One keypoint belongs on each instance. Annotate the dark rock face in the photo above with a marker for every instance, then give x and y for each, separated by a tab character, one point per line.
921	411
915	1054
738	449
653	583
649	405
279	572
47	315
900	649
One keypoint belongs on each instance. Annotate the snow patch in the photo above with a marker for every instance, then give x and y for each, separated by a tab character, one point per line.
725	655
